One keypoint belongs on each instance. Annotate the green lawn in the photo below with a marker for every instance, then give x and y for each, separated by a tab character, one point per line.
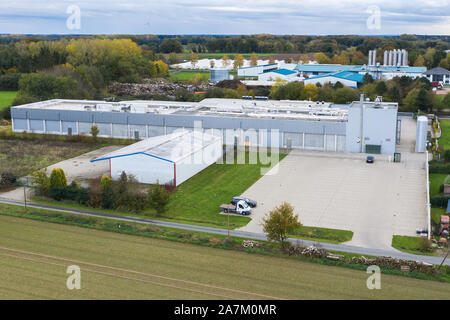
6	98
444	141
188	75
436	179
436	214
198	199
410	244
323	234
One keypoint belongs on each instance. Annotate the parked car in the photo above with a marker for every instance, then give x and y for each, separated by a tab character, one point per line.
370	159
251	203
241	207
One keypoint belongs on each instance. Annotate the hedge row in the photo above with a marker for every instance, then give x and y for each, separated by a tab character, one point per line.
439	167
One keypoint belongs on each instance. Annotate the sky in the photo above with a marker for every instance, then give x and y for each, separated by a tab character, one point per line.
303	17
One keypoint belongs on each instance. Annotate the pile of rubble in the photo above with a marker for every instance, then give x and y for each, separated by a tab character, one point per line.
386	262
394	263
250	244
153	87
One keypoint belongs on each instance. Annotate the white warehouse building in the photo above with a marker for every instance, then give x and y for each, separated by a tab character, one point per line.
170	159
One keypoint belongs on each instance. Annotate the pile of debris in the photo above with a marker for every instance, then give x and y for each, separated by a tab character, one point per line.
250	244
153	87
394	263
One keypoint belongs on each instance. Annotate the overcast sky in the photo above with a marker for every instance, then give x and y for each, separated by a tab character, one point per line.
227	17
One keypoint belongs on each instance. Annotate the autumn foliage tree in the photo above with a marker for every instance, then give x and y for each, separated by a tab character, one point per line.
280	222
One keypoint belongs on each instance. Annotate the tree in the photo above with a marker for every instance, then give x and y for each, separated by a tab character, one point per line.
194	59
58	178
280	222
107	193
173	58
253	59
381	88
367	78
238	61
225	61
41	181
94	131
345	95
321	58
158	198
420	61
311	92
171	45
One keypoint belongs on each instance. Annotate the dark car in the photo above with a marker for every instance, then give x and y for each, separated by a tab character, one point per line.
370	159
251	203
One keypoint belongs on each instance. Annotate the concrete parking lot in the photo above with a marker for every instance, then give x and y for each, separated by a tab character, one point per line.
375	201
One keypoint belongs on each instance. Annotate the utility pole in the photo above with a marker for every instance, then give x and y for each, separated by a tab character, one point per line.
444	259
25	197
228	224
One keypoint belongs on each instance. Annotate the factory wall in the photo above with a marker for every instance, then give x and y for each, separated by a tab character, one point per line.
308	134
198	161
377	126
144	168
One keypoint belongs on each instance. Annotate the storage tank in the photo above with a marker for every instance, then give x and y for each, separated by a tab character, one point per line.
217	75
421	134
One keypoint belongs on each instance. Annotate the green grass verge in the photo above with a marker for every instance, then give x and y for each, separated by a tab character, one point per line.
436	180
197	200
436	214
188	75
6	98
323	234
184	236
444	141
409	244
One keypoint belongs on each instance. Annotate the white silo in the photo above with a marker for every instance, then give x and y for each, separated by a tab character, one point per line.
421	134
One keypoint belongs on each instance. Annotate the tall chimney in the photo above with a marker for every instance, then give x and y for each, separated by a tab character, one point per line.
385	58
374	57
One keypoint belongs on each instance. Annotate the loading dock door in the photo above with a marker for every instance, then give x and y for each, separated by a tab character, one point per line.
373	148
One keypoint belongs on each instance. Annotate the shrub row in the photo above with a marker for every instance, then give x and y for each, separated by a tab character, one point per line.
439	167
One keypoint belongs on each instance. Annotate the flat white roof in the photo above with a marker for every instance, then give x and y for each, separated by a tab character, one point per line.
171	148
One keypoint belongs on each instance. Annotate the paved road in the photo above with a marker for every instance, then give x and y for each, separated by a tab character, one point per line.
237	233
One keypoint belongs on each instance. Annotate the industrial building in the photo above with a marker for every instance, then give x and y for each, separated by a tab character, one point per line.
217	75
264	123
395	64
346	78
170	159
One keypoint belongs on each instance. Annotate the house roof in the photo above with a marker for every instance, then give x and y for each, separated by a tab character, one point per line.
438	71
171	148
347	75
284	72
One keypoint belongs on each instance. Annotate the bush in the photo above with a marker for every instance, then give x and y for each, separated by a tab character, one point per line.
42	182
72	192
7	179
10	81
58	178
6	113
439	167
425	245
439	201
158	198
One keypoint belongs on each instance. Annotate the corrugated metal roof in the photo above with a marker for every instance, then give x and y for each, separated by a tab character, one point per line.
170	148
347	75
284	72
333	68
